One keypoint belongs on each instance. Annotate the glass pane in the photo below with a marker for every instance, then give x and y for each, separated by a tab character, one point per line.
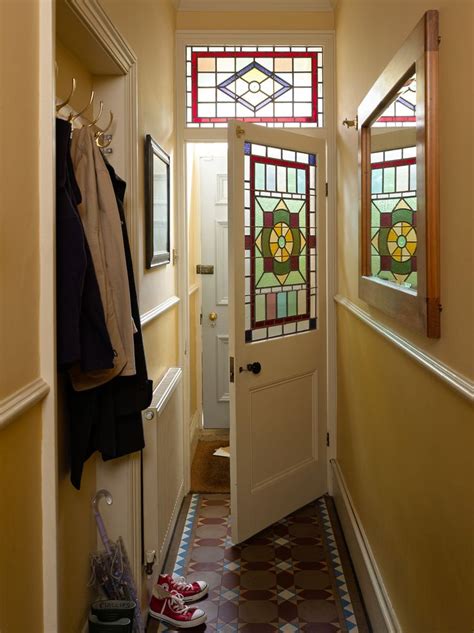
393	212
402	111
280	242
260	84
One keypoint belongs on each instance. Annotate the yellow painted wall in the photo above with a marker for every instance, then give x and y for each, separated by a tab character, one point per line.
19	209
160	338
405	440
20	526
69	66
255	20
21	571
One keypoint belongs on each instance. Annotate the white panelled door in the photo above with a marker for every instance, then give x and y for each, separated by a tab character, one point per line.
277	324
215	300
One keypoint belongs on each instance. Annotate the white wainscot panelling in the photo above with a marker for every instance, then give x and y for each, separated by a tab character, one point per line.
222	274
222	368
280	433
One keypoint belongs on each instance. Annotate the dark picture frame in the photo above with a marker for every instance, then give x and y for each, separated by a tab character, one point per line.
157	204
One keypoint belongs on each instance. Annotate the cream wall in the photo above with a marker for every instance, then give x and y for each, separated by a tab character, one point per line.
255	20
405	440
21	572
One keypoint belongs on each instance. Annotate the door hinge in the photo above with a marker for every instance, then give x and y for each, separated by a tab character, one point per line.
231	369
327	439
327	189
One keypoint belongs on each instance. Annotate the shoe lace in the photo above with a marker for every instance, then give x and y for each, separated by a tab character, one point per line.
181	583
177	603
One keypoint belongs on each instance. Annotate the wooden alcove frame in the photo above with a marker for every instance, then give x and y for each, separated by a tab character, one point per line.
419	309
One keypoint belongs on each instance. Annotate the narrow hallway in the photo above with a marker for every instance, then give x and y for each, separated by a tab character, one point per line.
295	576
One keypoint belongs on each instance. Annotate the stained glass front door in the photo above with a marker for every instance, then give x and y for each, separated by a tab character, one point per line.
277	329
280	241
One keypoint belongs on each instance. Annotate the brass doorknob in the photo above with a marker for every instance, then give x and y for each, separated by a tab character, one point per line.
212	316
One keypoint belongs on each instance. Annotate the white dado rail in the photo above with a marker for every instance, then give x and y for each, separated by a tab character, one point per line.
163	392
20	401
155	312
454	379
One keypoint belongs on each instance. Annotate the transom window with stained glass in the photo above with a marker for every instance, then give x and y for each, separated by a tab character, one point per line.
393	216
280	242
279	86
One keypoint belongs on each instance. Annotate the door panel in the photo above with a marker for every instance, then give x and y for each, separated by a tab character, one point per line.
215	291
277	317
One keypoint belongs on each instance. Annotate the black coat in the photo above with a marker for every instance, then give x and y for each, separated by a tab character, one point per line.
82	335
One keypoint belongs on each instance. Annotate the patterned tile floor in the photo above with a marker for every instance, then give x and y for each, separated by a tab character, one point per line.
294	576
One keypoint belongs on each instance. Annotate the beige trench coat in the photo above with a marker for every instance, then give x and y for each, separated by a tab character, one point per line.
101	220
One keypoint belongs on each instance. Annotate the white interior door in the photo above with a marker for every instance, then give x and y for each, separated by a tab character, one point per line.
215	294
277	308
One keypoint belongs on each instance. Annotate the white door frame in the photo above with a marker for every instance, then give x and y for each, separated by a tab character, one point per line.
98	27
208	135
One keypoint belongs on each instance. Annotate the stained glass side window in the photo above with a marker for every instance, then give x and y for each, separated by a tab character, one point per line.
402	111
279	86
393	216
280	242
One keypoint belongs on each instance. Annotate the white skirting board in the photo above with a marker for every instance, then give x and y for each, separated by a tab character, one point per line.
379	608
194	430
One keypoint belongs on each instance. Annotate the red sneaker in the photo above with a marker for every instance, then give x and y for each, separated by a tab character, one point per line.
169	607
190	591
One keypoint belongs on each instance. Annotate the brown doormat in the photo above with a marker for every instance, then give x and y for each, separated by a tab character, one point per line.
210	473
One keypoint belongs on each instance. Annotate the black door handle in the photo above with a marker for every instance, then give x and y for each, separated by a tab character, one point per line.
255	368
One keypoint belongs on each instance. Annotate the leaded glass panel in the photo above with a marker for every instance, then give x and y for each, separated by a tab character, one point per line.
393	216
279	86
280	242
402	111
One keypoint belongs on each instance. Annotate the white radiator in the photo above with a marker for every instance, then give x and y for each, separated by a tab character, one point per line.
163	392
163	473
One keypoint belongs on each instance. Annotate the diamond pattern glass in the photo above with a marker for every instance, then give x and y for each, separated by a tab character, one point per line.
280	86
402	111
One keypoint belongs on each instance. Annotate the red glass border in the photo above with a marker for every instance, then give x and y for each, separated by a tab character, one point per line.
195	55
400	162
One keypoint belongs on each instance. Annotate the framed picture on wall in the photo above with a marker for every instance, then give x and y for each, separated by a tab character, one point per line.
157	204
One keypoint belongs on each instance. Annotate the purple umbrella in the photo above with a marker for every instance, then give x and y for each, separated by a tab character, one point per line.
111	569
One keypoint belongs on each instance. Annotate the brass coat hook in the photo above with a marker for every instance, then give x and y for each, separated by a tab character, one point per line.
101	107
73	117
100	133
69	97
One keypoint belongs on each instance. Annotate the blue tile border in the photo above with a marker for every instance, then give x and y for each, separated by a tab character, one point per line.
183	549
343	591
